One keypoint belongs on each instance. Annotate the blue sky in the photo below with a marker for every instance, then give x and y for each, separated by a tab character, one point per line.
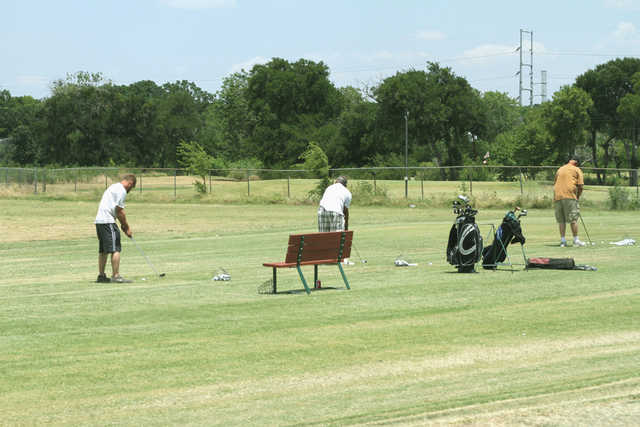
362	41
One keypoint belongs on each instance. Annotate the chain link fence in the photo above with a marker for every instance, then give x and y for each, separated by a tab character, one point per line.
395	183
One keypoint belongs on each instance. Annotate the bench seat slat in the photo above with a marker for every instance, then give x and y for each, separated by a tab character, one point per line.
314	254
293	264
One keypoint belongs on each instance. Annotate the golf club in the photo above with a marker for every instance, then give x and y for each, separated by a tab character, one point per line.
147	258
585	230
364	261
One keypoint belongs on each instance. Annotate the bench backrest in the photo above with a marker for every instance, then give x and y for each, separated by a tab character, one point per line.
335	245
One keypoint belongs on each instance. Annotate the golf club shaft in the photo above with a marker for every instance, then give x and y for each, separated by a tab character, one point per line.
357	251
145	256
585	229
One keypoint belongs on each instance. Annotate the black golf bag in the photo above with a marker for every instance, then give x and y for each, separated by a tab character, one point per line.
465	242
508	232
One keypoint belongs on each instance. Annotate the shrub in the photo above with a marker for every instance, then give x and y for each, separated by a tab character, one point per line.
364	193
620	199
192	156
240	168
317	163
428	174
534	201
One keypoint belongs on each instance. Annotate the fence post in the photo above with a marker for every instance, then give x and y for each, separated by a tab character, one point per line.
35	180
75	187
44	182
288	187
105	179
521	189
248	184
210	188
471	182
422	185
175	178
637	190
375	189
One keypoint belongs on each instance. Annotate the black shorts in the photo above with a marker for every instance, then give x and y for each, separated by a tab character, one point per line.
108	238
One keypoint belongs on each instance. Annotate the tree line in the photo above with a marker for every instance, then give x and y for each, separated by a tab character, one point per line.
268	116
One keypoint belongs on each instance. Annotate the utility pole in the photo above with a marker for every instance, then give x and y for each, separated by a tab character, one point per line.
543	86
522	88
406	154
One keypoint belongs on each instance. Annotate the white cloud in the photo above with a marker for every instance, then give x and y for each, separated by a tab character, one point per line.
248	65
623	4
385	57
199	4
382	55
32	80
181	69
624	31
430	35
483	52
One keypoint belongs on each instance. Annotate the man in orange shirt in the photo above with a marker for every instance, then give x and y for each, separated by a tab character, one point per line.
567	189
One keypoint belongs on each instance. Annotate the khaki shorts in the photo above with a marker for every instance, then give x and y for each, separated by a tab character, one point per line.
567	211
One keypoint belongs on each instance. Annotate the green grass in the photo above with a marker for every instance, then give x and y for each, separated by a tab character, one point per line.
163	189
407	346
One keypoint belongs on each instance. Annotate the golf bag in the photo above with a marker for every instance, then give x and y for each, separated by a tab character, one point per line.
509	231
552	263
465	242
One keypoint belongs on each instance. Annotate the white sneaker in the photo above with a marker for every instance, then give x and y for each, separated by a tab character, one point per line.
578	242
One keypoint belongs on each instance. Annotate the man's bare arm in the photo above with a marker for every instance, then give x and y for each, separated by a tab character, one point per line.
346	218
123	221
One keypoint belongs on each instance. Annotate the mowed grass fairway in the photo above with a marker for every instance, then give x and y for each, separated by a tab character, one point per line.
406	346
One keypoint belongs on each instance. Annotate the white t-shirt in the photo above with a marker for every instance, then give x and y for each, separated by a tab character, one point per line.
335	198
112	197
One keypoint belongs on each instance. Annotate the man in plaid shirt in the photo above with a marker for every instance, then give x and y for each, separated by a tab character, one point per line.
333	213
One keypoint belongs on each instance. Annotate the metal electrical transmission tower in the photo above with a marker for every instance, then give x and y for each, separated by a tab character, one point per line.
543	86
523	65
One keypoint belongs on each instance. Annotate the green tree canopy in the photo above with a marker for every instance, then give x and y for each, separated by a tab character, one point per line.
286	100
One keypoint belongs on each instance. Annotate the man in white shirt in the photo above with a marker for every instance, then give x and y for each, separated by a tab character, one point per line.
112	207
333	213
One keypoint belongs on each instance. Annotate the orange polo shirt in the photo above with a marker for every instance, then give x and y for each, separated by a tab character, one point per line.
568	177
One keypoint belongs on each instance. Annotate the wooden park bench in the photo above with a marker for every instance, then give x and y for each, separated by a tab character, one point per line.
315	249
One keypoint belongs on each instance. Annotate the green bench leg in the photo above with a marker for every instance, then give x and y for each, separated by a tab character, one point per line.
304	282
344	276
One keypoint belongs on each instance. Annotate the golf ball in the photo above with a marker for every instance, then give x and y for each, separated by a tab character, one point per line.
144	278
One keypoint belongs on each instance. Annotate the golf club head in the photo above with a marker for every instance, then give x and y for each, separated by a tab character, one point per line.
162	274
523	212
463	198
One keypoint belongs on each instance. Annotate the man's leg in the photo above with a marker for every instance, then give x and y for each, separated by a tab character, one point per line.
102	262
573	215
574	229
115	264
562	228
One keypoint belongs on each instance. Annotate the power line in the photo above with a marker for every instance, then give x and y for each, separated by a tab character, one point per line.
604	55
